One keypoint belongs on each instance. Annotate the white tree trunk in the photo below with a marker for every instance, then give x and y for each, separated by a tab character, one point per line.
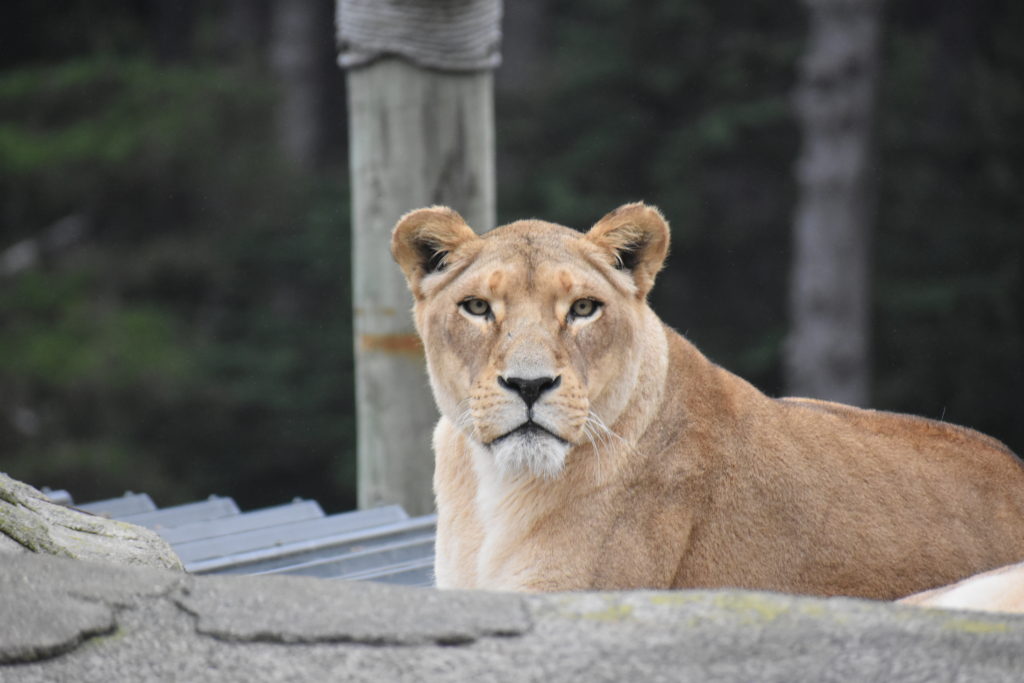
296	55
417	137
828	351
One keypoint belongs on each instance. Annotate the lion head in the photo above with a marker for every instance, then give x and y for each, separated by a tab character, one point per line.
532	331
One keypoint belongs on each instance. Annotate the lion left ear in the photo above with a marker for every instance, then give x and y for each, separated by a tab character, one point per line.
423	239
637	236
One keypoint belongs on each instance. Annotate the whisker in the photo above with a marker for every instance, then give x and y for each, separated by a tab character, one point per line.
587	432
605	431
597	432
464	419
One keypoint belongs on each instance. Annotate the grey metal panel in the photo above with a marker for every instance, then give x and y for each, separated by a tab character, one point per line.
213	536
212	508
297	511
418	577
287	535
128	504
267	560
371	559
413	573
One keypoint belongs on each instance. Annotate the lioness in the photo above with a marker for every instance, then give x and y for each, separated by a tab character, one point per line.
585	445
999	590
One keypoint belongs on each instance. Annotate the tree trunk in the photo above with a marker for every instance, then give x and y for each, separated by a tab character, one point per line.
246	29
828	350
297	53
29	521
418	136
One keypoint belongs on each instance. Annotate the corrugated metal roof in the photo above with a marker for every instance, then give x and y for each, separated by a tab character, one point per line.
215	537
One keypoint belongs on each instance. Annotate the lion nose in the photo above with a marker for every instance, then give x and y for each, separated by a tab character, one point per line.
529	389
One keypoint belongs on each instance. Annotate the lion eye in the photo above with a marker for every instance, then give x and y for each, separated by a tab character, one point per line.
583	308
477	307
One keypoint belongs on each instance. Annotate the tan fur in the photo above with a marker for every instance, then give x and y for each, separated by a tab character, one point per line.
660	469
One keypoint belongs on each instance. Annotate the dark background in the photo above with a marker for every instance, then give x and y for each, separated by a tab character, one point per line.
174	290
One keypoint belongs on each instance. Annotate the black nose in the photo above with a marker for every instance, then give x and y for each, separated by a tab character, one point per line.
530	389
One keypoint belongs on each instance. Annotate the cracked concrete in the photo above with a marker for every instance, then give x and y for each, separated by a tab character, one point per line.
73	621
292	610
45	626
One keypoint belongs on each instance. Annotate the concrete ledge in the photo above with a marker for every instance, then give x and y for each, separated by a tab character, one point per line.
68	620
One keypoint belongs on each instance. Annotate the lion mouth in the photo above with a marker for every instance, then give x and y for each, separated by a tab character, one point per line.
530	448
528	428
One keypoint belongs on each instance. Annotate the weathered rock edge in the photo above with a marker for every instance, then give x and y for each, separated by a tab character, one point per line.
30	522
88	622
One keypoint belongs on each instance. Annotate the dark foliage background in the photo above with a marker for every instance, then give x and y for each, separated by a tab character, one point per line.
181	324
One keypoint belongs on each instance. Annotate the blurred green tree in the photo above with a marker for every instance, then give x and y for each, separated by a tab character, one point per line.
195	337
684	105
687	105
949	339
175	318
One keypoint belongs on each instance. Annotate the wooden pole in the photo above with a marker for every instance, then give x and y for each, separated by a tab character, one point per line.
828	350
417	137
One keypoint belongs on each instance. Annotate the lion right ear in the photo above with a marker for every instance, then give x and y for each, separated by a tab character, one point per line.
636	238
423	239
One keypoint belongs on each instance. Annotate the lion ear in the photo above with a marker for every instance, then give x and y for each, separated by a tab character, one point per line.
423	239
636	236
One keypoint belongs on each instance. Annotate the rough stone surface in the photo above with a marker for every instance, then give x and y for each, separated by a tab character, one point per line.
292	610
78	621
30	522
117	586
46	625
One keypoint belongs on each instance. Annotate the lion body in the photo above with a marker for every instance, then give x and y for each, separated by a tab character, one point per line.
999	590
641	464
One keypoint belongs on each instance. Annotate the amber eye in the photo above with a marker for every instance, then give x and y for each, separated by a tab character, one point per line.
583	308
477	307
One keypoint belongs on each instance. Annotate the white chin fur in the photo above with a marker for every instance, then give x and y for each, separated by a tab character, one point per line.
541	455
